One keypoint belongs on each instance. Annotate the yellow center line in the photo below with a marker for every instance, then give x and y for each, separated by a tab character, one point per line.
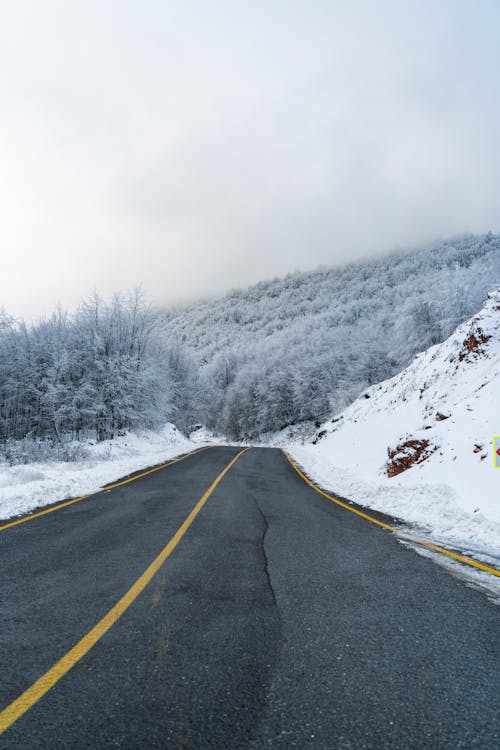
65	504
33	694
402	534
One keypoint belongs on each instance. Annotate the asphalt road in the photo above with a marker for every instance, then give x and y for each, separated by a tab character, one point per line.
279	621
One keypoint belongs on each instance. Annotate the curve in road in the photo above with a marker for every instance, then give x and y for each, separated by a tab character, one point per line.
279	621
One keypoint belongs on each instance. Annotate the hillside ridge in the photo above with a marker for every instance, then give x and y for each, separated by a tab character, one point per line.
420	445
298	348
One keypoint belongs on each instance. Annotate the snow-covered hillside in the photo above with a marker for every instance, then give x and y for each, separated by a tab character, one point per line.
296	349
420	445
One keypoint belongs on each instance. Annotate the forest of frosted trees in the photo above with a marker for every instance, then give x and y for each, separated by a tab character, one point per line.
303	347
96	374
282	352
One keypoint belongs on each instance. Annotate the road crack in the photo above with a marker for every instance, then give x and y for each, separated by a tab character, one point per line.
264	554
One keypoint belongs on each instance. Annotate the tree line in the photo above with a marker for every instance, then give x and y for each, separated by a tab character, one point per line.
105	370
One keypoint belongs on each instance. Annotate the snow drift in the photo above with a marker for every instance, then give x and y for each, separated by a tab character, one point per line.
420	445
26	486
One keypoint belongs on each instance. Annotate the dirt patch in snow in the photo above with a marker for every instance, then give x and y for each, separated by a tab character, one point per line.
473	345
408	454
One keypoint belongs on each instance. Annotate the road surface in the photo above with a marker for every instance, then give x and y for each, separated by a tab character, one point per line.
277	620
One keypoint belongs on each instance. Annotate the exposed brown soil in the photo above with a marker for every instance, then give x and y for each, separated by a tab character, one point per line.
473	345
407	454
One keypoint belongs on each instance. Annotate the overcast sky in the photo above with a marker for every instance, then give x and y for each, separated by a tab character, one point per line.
191	147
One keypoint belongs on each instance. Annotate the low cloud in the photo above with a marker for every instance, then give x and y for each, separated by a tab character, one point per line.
191	149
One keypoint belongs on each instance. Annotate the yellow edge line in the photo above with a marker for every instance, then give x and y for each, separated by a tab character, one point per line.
338	502
410	537
45	512
33	694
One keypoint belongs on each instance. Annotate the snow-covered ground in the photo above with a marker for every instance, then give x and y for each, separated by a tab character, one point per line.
27	486
445	405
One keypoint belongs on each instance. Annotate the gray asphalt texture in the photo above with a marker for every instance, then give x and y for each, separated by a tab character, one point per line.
279	621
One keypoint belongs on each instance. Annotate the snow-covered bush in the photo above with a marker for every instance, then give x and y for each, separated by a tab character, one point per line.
38	450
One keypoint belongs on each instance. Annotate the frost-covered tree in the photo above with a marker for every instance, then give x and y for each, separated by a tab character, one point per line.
105	370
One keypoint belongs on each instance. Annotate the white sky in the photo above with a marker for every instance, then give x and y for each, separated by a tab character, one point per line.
196	146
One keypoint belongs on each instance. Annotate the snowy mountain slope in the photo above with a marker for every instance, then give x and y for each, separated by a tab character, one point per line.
419	446
298	348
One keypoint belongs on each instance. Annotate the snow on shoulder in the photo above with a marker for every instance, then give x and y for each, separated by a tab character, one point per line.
24	487
420	445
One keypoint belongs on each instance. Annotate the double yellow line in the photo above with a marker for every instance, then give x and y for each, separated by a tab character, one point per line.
33	694
395	530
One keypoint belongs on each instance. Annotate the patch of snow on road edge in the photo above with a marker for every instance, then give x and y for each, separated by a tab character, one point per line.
25	487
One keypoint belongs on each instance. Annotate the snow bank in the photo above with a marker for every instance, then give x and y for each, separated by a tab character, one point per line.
28	486
449	398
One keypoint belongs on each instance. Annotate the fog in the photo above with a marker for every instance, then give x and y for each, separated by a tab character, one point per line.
191	147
